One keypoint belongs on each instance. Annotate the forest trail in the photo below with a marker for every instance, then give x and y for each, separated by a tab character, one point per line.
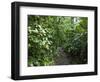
63	58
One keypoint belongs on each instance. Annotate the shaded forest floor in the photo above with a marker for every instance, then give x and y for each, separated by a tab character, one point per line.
62	58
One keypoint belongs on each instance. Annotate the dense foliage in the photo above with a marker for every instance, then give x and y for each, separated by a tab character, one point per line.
47	33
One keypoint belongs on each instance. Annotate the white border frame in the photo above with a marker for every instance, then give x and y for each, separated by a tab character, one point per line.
24	70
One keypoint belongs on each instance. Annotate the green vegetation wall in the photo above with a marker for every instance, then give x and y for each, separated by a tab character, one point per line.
47	33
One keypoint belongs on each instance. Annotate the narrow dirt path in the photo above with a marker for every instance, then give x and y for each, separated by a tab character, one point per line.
63	58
